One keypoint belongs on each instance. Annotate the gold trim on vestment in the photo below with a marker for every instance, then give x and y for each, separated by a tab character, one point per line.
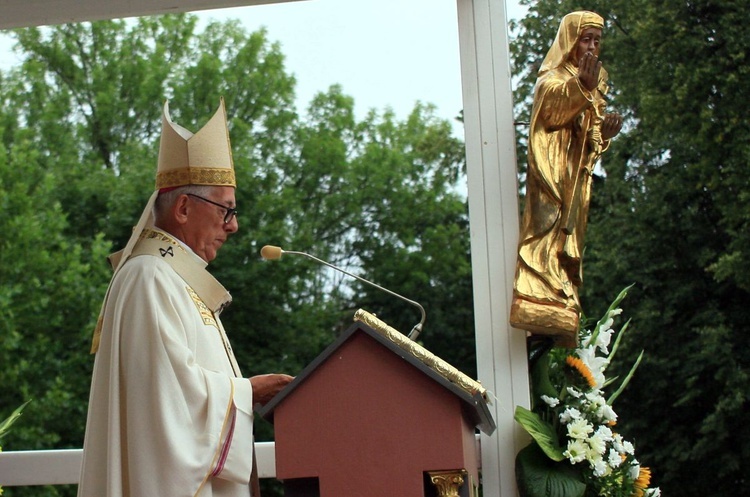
206	315
211	292
161	244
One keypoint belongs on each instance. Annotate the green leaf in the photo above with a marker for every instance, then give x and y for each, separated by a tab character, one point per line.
627	379
541	431
5	425
538	476
540	381
616	345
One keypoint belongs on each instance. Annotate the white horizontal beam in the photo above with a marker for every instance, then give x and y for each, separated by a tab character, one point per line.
40	467
63	467
25	13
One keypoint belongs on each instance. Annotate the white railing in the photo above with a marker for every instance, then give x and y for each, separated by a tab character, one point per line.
63	467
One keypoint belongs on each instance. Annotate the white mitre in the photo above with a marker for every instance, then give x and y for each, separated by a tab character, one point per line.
203	158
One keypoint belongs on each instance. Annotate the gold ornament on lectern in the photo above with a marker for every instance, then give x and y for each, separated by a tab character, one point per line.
448	483
435	363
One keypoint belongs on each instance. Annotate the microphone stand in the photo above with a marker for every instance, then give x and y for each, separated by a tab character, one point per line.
414	333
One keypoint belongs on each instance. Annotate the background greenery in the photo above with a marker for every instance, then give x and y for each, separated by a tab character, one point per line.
79	129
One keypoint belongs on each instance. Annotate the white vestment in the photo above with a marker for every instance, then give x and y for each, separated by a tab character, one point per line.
169	412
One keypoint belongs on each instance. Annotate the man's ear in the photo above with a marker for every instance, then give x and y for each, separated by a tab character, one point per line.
181	209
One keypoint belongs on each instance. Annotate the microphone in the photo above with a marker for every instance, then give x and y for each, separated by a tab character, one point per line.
272	253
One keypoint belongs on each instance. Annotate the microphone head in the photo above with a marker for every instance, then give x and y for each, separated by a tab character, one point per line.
271	252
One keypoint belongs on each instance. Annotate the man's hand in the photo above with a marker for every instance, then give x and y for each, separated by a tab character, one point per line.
266	386
611	126
589	68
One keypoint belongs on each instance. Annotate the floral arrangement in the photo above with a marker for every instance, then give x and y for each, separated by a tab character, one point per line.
576	451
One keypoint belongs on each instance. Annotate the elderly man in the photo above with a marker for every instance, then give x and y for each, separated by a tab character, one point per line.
569	132
169	411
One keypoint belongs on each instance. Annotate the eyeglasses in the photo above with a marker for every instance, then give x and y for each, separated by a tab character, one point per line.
231	211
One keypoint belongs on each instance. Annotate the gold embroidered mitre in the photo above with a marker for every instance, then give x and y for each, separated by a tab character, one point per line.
203	158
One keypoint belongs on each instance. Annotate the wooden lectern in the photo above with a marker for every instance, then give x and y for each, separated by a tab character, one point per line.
377	415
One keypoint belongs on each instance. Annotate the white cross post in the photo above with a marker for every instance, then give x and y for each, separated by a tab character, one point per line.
493	216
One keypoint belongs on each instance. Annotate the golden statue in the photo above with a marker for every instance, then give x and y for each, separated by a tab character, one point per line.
569	131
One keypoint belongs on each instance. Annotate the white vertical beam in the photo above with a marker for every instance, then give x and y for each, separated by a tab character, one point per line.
493	215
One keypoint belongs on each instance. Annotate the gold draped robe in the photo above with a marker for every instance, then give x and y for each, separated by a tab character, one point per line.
564	145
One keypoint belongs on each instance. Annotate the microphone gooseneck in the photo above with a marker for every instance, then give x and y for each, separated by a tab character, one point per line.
272	253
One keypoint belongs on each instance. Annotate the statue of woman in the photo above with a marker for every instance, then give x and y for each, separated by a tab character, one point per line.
569	131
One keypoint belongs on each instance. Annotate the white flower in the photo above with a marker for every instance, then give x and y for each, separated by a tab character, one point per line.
596	399
606	413
579	428
603	339
550	401
628	448
605	331
654	492
597	442
599	466
576	451
614	459
617	443
570	414
597	365
635	470
574	392
605	433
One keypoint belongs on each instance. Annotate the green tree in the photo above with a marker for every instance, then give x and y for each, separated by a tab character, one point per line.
48	302
669	213
92	90
80	124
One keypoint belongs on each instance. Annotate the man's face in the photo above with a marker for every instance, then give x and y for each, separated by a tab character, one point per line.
205	232
588	42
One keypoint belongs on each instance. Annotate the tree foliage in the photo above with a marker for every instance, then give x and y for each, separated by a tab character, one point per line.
79	128
670	213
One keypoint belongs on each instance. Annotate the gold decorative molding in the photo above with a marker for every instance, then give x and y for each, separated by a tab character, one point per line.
448	483
438	365
195	176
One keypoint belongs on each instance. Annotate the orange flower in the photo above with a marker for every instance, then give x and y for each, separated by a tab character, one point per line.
641	483
582	369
